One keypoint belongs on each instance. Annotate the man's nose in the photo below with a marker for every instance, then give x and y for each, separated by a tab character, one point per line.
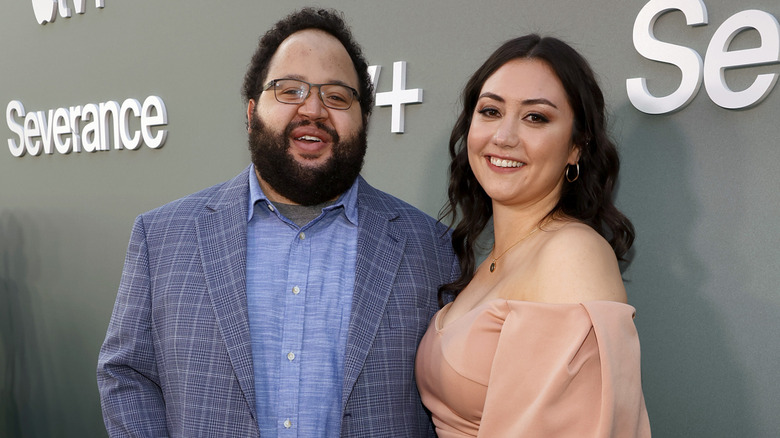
312	107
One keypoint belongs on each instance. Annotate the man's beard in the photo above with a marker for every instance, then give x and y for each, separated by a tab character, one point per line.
301	184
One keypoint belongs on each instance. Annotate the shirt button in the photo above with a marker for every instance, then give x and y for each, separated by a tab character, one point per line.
271	207
290	356
287	423
296	290
302	236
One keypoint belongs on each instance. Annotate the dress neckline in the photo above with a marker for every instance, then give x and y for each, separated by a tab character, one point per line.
444	310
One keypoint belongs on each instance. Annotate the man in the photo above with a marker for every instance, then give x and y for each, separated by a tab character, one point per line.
288	301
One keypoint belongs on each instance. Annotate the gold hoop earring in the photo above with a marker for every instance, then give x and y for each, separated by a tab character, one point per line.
566	172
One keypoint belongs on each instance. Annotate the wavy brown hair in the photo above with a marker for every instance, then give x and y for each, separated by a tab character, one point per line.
587	199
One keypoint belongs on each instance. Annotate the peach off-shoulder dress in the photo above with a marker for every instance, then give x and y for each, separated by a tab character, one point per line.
512	368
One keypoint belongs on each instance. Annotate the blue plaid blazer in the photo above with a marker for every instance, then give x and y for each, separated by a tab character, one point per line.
176	360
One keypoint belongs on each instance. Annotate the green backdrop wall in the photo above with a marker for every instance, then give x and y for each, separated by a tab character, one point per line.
701	184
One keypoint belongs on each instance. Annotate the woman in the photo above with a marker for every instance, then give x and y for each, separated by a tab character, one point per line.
539	341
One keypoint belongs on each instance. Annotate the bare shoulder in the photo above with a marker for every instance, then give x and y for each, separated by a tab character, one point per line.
576	264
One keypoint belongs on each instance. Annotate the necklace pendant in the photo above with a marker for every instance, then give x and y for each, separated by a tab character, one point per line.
493	266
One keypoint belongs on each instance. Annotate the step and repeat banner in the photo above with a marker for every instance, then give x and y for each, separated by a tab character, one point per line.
112	108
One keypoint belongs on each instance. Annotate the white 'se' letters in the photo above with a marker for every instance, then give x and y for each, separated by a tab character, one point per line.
717	60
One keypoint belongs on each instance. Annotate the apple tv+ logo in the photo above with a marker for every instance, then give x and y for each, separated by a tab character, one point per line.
46	10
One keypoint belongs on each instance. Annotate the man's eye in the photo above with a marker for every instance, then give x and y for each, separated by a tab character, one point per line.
336	97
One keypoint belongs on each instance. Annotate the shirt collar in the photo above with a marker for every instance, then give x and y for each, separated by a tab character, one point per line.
347	200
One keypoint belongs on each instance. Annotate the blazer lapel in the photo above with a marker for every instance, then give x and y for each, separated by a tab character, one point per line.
221	234
379	253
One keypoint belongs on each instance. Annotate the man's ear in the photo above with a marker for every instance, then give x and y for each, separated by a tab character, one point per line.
250	112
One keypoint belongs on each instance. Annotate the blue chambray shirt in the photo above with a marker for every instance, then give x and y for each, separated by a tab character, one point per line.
299	294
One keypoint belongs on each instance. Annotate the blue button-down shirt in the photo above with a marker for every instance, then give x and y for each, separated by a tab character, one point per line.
299	293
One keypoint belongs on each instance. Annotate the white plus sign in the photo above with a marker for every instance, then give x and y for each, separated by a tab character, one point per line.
399	97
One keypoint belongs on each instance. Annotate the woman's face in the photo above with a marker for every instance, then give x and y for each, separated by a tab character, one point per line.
520	139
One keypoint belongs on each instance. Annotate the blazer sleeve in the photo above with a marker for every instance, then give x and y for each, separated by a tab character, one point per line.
566	371
127	375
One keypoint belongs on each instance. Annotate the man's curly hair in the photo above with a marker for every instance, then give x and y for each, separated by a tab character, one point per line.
327	20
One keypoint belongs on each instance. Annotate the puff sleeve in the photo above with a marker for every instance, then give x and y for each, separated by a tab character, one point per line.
565	370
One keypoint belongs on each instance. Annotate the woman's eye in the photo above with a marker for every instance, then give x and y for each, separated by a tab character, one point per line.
489	112
537	118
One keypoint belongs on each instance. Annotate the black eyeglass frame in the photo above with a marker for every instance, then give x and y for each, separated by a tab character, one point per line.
272	84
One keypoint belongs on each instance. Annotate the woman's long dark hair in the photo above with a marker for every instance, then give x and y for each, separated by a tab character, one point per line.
587	199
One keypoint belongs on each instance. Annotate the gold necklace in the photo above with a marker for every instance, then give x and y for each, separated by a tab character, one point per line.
536	228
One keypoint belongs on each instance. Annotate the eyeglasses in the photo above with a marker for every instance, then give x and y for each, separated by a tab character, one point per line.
295	92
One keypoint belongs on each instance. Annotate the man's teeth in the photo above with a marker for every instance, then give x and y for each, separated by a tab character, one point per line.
309	138
505	163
